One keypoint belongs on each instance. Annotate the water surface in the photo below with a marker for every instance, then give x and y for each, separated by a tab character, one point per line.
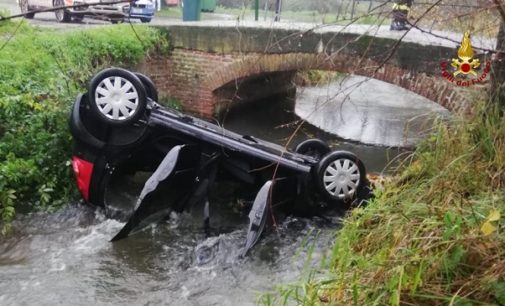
65	258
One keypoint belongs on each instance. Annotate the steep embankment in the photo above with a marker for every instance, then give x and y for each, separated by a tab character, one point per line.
41	71
435	233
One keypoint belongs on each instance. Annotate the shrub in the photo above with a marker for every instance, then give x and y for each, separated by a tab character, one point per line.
41	71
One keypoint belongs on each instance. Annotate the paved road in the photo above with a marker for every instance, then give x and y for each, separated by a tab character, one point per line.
448	39
49	20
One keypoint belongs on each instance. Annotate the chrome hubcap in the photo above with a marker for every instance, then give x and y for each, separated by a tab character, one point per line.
341	178
116	98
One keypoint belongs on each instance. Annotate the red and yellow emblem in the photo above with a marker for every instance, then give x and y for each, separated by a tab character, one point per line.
465	63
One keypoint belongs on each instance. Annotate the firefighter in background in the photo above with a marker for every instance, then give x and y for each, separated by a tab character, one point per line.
401	9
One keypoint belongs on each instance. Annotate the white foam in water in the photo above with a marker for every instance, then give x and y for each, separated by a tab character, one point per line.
78	263
98	237
185	292
221	250
56	263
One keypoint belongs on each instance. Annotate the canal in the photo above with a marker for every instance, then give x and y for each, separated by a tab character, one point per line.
65	258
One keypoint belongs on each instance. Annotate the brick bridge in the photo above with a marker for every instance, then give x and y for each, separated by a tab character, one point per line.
209	66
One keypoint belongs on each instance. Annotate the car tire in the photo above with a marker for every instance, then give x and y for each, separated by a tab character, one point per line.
313	147
339	176
117	96
116	21
145	20
365	194
62	15
78	127
23	5
151	90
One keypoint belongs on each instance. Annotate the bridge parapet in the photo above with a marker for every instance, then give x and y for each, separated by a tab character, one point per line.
205	58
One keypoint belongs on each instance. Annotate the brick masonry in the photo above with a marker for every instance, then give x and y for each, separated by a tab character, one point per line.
203	60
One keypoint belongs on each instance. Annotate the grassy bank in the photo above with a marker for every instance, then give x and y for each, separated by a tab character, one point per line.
433	236
41	73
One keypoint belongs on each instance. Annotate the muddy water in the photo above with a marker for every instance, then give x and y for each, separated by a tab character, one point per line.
64	258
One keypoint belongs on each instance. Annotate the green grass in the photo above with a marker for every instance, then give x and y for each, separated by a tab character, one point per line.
423	240
41	73
298	16
289	16
317	77
171	102
171	12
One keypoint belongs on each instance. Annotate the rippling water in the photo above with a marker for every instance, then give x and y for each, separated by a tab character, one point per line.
65	258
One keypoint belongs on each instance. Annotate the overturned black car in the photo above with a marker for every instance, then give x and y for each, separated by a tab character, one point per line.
118	124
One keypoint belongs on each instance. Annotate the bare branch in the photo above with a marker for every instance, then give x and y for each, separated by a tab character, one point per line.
12	35
405	34
500	8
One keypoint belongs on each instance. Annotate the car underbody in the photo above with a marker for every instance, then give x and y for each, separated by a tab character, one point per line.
120	129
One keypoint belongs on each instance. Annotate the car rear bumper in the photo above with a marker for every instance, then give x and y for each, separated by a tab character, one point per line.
139	12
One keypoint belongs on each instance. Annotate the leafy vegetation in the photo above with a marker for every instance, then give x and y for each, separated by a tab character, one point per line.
434	234
171	12
316	77
171	102
41	73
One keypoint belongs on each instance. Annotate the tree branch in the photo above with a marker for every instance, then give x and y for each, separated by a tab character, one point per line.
405	34
500	8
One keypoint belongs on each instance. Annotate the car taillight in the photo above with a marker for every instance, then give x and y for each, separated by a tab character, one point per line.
83	171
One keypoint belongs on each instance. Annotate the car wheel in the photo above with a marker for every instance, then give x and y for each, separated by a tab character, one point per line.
151	90
117	96
340	175
23	5
365	193
62	15
313	147
145	20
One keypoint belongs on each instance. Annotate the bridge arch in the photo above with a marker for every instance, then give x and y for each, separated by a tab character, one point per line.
431	87
202	58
